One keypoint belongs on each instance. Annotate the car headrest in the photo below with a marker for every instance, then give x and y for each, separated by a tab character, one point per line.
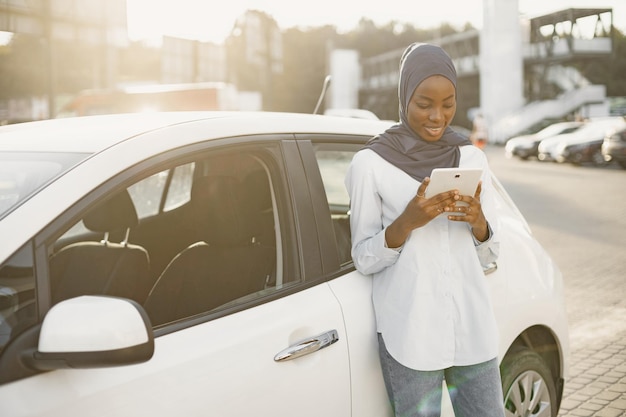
228	222
116	213
258	192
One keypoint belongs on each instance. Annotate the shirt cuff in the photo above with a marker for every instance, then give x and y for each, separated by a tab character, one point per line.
489	235
398	249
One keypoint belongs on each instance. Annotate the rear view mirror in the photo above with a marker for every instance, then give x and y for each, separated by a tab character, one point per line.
93	332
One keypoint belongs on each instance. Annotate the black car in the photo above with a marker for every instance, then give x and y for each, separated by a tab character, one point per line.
614	147
587	152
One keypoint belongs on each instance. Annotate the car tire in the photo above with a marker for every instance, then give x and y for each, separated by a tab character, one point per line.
598	159
527	384
576	159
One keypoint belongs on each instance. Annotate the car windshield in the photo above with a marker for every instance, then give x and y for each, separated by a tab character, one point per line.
554	130
22	174
599	127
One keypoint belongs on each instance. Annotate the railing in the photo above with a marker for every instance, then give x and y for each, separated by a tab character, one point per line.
566	48
552	41
535	112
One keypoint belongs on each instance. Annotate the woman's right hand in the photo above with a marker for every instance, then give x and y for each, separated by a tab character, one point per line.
418	212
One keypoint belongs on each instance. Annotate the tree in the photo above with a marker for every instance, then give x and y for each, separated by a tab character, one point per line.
305	54
254	55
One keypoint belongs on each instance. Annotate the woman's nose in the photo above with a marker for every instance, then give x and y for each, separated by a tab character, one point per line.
435	114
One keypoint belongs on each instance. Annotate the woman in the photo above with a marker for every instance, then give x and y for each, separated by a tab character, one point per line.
433	314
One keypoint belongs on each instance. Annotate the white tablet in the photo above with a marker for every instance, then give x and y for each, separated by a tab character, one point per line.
463	179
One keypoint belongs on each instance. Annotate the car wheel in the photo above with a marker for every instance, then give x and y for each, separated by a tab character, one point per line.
597	158
576	158
528	386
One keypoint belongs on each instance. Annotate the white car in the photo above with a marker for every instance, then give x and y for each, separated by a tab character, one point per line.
552	149
525	146
193	264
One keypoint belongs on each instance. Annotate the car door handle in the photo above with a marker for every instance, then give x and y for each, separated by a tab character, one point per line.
306	346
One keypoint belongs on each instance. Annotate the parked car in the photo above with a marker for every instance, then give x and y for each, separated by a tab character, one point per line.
587	151
557	147
193	263
525	146
614	146
580	153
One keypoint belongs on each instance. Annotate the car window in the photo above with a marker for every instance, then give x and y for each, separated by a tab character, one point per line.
218	247
333	166
179	191
23	173
147	194
333	161
17	295
212	246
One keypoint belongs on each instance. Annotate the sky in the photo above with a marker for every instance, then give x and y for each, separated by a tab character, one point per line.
213	20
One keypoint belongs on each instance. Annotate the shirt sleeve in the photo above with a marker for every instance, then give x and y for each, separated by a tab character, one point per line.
369	249
489	250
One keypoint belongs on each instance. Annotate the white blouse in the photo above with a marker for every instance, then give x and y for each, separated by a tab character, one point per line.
431	298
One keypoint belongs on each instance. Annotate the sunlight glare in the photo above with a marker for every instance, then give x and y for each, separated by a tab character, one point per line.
5	38
207	21
189	19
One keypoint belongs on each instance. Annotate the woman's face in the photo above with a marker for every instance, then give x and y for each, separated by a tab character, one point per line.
432	107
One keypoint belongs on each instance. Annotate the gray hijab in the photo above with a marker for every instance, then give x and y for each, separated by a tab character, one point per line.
399	144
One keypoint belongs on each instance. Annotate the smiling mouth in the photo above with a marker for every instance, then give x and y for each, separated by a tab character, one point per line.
434	130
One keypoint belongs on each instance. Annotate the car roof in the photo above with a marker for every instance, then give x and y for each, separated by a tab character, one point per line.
598	127
91	134
590	125
551	127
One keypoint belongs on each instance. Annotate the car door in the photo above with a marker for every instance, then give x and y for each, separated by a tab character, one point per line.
224	367
279	350
327	158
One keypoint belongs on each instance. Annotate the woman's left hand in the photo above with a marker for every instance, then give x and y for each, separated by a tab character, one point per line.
472	214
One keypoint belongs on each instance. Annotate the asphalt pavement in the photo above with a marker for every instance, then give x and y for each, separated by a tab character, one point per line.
579	215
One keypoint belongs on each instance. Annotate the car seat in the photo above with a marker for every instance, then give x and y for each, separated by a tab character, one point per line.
89	267
229	263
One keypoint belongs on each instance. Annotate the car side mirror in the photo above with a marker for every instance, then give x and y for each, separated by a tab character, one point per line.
93	332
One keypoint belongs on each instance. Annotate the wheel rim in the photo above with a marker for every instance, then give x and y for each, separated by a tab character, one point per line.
598	158
528	396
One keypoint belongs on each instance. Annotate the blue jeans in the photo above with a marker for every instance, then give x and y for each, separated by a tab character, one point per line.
475	390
